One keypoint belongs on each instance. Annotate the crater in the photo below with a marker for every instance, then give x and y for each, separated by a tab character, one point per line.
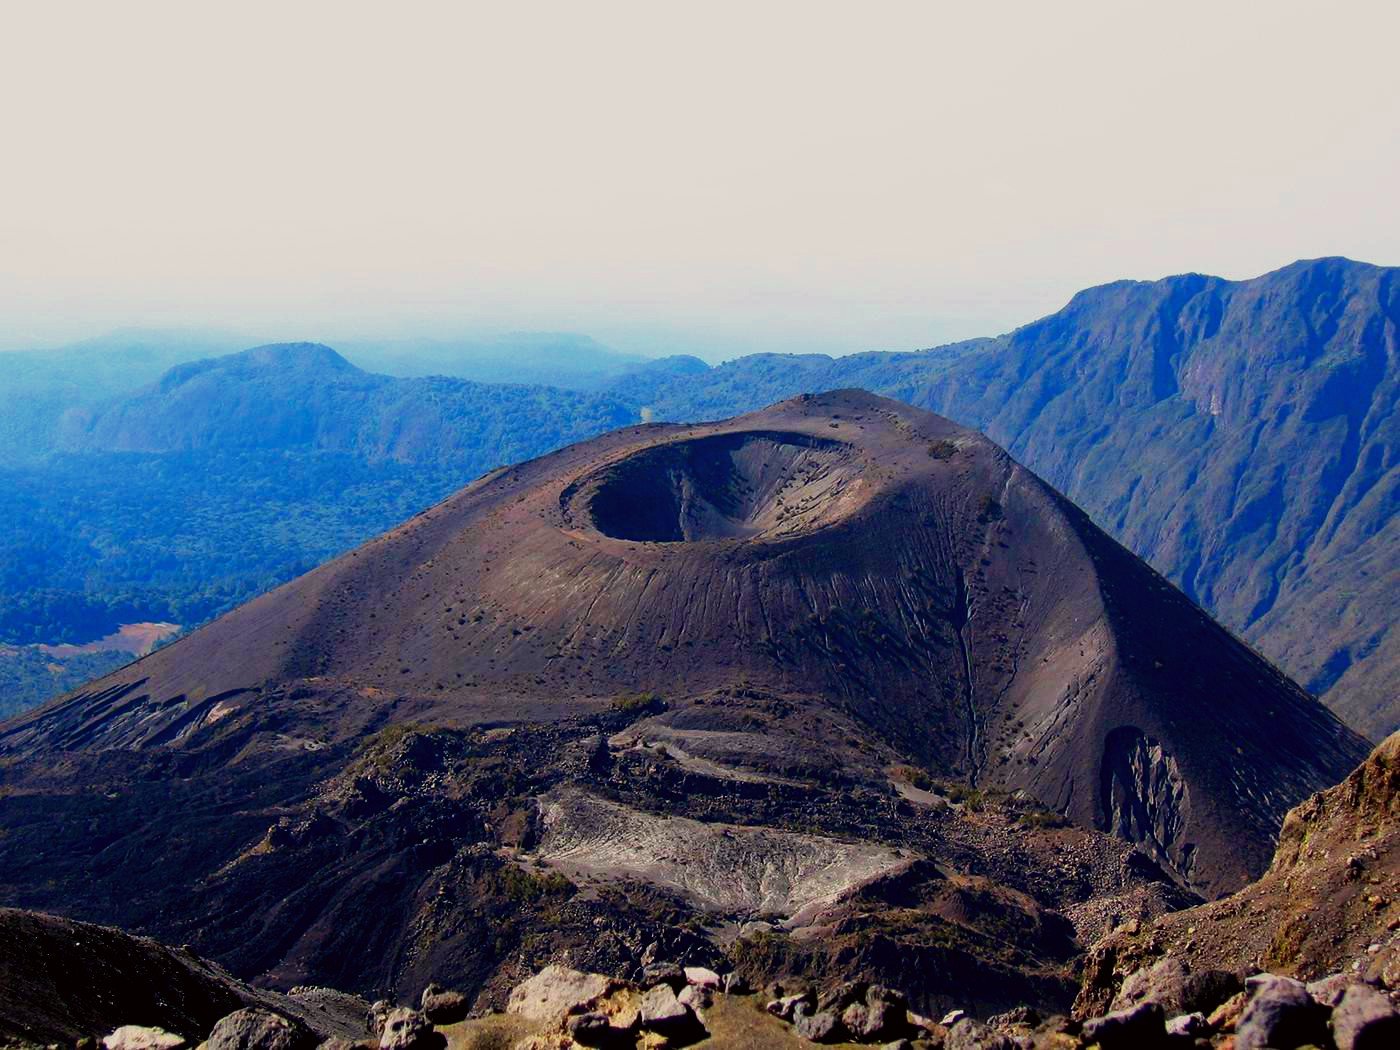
746	485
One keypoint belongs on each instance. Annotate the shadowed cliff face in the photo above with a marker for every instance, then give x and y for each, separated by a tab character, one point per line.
817	594
1327	903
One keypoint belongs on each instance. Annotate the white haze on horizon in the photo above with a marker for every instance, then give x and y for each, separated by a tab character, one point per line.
712	179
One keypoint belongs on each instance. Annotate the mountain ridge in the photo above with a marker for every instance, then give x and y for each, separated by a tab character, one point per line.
1255	465
1240	435
306	395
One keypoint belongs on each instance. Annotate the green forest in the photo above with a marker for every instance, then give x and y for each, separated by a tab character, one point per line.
88	542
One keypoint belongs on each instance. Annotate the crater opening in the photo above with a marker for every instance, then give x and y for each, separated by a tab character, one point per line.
755	484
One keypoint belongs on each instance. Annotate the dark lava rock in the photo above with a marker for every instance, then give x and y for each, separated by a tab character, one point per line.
663	973
696	997
255	1029
1170	983
591	1029
1365	1020
1280	1015
837	997
1139	1028
377	1014
442	1005
1202	992
968	1034
1329	990
787	1006
883	1014
820	1027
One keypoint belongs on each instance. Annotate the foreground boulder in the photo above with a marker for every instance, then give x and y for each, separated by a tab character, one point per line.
1280	1013
853	1011
1139	1028
406	1029
662	1012
1172	985
443	1006
137	1037
588	1009
1365	1019
257	1029
557	991
970	1034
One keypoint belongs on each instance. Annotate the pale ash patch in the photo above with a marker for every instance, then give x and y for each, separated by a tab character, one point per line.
721	868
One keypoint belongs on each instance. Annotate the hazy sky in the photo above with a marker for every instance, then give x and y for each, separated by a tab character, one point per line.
705	177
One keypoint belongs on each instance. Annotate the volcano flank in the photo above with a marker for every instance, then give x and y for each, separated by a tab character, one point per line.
807	644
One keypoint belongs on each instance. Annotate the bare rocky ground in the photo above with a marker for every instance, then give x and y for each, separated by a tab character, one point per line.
1308	956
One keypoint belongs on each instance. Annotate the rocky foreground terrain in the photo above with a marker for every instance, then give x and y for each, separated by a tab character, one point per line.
1307	956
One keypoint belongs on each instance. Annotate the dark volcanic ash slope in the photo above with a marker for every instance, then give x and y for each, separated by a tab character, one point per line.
821	592
63	981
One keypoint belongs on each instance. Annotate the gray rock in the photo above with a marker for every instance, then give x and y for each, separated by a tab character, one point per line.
377	1014
662	1012
787	1005
820	1027
839	996
1188	1026
664	973
856	1019
702	976
255	1029
878	993
1179	991
697	997
967	1034
1138	1028
1365	1019
442	1005
139	1037
557	991
1161	982
590	1029
408	1029
1280	1015
733	984
1329	990
878	1018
